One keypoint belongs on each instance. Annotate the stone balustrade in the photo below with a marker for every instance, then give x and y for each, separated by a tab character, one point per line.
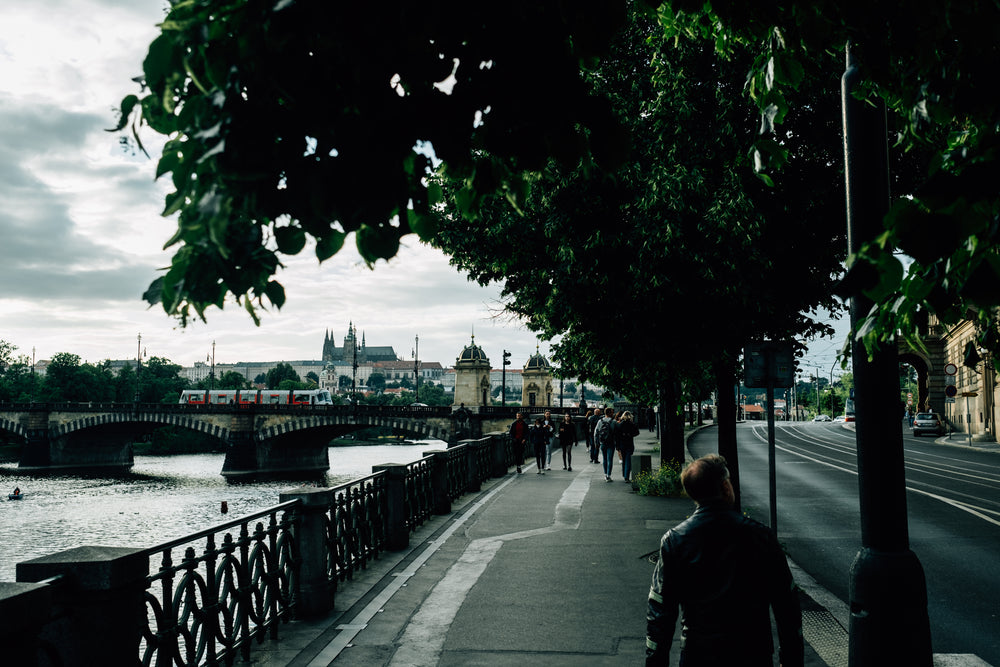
208	597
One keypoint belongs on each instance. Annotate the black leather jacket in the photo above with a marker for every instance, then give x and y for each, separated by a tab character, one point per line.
724	571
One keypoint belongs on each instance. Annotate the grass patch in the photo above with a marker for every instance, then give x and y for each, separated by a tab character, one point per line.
664	481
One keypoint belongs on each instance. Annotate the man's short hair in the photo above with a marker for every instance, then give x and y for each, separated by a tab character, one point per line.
703	478
610	412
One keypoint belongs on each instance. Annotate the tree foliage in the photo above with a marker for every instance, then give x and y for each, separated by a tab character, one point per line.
932	64
68	380
303	118
281	373
642	274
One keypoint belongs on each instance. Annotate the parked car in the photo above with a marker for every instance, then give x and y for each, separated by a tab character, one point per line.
821	418
839	419
928	422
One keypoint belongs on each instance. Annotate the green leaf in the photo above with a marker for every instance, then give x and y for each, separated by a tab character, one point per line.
291	239
275	293
128	104
330	244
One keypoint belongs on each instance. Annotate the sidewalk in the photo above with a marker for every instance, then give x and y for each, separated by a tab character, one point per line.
535	569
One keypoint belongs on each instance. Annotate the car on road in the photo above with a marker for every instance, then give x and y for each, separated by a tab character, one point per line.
928	422
821	418
839	419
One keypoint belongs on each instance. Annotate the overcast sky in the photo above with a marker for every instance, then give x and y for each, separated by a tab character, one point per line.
81	236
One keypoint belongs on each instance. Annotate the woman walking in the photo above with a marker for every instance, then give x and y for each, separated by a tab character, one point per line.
567	440
627	430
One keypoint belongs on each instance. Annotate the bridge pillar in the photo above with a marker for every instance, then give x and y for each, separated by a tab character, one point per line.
102	603
397	535
36	452
315	595
241	452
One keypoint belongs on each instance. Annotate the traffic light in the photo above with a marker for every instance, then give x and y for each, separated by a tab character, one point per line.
506	358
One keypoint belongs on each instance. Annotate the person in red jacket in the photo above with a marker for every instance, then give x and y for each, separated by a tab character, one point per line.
519	435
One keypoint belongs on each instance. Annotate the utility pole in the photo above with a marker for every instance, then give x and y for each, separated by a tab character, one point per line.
503	378
889	624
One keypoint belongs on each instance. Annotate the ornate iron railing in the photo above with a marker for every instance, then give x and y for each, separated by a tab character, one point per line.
419	494
207	607
356	526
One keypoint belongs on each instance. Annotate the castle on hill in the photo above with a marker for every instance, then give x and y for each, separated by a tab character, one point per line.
346	353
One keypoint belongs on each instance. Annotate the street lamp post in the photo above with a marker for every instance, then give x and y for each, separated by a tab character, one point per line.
503	378
138	364
211	372
354	376
416	369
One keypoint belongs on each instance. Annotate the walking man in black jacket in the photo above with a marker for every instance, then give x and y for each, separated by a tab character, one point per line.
724	571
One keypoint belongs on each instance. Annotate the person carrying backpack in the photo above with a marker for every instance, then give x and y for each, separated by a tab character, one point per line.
605	439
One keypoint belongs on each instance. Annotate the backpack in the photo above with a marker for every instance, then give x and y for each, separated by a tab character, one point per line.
605	431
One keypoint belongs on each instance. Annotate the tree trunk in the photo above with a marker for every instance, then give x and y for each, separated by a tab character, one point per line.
725	419
672	425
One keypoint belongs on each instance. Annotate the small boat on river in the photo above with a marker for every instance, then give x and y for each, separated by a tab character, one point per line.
15	496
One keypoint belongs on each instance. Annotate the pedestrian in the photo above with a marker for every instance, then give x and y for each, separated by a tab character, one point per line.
538	437
724	571
651	419
567	440
550	431
604	438
518	435
627	430
592	420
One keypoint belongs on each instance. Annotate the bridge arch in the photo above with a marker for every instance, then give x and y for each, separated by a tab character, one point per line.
14	428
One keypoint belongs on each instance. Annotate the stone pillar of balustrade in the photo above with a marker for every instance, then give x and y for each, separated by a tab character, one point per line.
499	455
472	483
25	609
101	596
441	503
315	594
397	535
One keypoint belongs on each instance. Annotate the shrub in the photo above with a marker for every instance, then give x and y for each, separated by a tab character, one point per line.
664	481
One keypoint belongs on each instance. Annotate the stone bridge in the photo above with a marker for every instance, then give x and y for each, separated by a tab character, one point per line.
259	439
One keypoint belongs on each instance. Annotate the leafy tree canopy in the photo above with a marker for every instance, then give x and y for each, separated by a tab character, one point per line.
280	373
303	118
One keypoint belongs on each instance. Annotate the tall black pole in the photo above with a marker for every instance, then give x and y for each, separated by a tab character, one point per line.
416	369
888	593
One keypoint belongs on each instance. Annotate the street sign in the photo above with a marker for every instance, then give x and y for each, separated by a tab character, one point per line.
770	360
969	394
950	369
950	391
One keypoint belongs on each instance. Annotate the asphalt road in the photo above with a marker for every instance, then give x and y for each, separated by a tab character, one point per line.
953	503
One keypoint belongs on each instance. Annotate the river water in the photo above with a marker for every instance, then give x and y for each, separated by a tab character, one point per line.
162	498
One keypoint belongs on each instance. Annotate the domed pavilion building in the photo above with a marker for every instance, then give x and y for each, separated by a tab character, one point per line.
536	387
472	377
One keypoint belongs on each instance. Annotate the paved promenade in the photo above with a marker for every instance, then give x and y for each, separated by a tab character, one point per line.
535	569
